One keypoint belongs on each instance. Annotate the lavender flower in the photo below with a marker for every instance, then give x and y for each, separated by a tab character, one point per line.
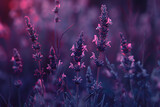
141	75
142	84
17	63
18	83
36	46
77	67
56	11
17	67
98	62
78	49
101	41
52	57
103	29
89	79
78	53
97	86
31	31
127	59
34	37
77	80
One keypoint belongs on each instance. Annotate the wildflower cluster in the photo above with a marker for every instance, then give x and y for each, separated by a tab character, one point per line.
129	86
127	59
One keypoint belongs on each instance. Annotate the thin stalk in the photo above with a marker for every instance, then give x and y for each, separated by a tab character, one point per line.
77	91
98	69
59	41
19	97
39	65
131	88
55	38
9	97
143	49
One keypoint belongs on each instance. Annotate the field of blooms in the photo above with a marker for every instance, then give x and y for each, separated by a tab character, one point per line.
80	53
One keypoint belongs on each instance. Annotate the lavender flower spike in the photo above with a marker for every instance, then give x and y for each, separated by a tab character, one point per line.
17	63
89	79
78	49
127	60
52	57
103	29
34	37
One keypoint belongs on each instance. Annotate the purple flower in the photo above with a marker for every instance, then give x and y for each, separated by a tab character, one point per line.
53	63
77	67
31	31
78	49
97	61
37	56
77	80
96	86
127	59
78	53
34	37
103	29
35	46
56	11
89	79
17	63
18	83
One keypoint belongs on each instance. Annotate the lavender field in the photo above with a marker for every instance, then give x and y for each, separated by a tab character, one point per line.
80	53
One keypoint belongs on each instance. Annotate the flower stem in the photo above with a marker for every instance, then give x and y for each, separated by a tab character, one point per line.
98	69
39	65
19	97
9	97
77	91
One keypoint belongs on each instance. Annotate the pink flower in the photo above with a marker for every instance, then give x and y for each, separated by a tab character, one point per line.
129	45
108	44
83	54
79	63
93	56
98	27
72	54
73	48
85	47
109	21
63	75
71	66
131	58
82	65
60	62
95	39
12	59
